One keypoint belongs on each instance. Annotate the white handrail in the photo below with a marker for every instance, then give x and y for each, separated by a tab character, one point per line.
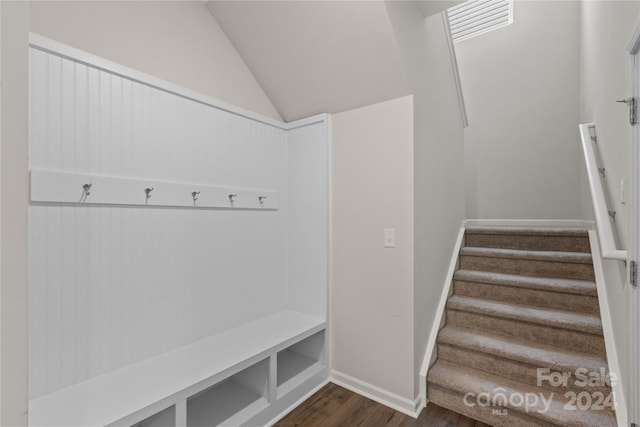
603	224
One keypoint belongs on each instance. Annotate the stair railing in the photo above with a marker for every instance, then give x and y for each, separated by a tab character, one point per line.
605	217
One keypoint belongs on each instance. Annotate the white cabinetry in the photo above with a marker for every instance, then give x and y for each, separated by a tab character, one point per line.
152	308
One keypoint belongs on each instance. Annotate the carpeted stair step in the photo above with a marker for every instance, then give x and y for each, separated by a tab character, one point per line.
523	300
534	239
466	391
519	361
574	295
563	265
581	332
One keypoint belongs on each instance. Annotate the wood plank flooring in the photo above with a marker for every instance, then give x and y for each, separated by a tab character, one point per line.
334	406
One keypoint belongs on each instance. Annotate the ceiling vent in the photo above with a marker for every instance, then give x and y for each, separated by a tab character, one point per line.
475	17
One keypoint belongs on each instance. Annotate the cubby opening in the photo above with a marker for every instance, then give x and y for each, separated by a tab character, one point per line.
299	362
232	401
165	418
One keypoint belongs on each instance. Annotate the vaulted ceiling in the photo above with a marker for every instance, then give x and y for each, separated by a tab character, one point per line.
319	56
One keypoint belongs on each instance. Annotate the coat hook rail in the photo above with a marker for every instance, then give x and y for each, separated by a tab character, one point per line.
63	187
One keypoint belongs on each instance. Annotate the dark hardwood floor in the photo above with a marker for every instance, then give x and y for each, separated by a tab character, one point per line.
335	406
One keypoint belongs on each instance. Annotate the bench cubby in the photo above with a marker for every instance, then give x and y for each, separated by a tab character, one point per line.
232	401
165	418
299	361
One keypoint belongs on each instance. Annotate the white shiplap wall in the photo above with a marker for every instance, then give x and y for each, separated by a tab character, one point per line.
308	185
112	285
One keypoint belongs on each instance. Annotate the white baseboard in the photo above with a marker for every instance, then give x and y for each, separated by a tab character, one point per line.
297	403
373	392
438	320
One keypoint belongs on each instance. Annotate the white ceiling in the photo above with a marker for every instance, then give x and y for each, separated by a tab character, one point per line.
431	7
312	57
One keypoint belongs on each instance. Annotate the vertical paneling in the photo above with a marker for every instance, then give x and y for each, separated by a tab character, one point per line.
82	218
82	326
111	285
37	306
52	237
81	122
307	218
67	296
37	110
67	226
53	119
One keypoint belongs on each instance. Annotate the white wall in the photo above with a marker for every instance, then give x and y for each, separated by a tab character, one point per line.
112	285
13	212
372	287
521	87
606	31
438	181
178	41
439	205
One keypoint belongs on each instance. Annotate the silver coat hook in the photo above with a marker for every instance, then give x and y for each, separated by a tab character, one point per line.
148	191
261	199
232	198
86	191
194	195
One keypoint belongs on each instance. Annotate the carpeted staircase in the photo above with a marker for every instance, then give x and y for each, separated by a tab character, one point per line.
524	300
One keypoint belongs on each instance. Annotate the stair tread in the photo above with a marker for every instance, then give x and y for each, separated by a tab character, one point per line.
553	256
465	380
529	231
537	355
579	287
543	316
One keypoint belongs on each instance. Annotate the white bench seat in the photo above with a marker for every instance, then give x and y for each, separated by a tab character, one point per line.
131	394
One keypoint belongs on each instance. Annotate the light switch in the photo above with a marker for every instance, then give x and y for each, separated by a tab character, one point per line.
389	237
